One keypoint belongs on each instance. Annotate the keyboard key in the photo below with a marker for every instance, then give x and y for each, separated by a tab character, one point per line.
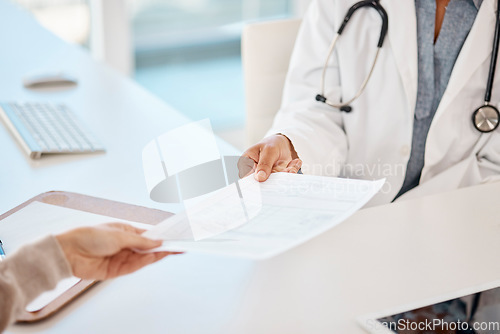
50	128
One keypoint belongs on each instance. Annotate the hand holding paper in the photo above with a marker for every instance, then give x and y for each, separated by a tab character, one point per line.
107	251
242	217
264	219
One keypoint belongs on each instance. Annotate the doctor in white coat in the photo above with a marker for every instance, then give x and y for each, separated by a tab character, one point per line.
374	140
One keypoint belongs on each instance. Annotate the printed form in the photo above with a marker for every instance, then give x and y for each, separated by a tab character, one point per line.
260	220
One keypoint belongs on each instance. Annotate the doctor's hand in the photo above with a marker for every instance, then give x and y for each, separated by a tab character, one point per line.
107	251
273	154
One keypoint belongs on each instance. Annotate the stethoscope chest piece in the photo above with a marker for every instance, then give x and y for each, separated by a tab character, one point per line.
486	118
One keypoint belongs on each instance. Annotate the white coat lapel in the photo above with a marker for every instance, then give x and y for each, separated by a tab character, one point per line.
403	42
476	50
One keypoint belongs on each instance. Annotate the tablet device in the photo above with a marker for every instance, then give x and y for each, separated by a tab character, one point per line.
474	310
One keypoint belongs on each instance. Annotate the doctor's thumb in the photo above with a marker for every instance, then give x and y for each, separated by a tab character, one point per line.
262	172
267	159
261	175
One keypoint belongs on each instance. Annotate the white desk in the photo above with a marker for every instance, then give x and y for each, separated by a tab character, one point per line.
124	117
379	258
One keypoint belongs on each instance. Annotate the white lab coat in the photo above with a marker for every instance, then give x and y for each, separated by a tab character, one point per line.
374	140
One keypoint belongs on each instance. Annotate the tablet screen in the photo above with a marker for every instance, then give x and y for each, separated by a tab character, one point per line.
478	313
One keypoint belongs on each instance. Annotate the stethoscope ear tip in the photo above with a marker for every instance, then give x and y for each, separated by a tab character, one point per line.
346	109
320	98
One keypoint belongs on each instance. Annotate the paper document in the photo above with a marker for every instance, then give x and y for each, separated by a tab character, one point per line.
39	219
264	219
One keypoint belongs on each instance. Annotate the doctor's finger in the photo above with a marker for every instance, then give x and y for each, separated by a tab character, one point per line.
294	166
267	158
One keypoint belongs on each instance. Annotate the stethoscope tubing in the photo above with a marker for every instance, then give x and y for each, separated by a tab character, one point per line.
485	118
494	58
363	85
344	106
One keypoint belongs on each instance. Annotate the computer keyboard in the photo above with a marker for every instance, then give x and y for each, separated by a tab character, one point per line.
44	128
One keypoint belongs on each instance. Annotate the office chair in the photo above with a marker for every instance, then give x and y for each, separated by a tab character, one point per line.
266	50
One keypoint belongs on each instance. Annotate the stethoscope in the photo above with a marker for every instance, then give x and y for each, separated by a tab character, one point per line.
485	118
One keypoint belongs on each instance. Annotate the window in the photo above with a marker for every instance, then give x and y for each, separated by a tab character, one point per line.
187	52
179	23
70	19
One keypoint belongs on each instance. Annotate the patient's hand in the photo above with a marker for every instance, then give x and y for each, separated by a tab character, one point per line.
273	154
107	251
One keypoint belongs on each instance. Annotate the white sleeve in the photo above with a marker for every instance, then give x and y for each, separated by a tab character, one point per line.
315	129
25	274
488	160
482	165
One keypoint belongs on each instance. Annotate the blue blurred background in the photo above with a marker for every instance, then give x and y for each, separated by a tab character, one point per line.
187	52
